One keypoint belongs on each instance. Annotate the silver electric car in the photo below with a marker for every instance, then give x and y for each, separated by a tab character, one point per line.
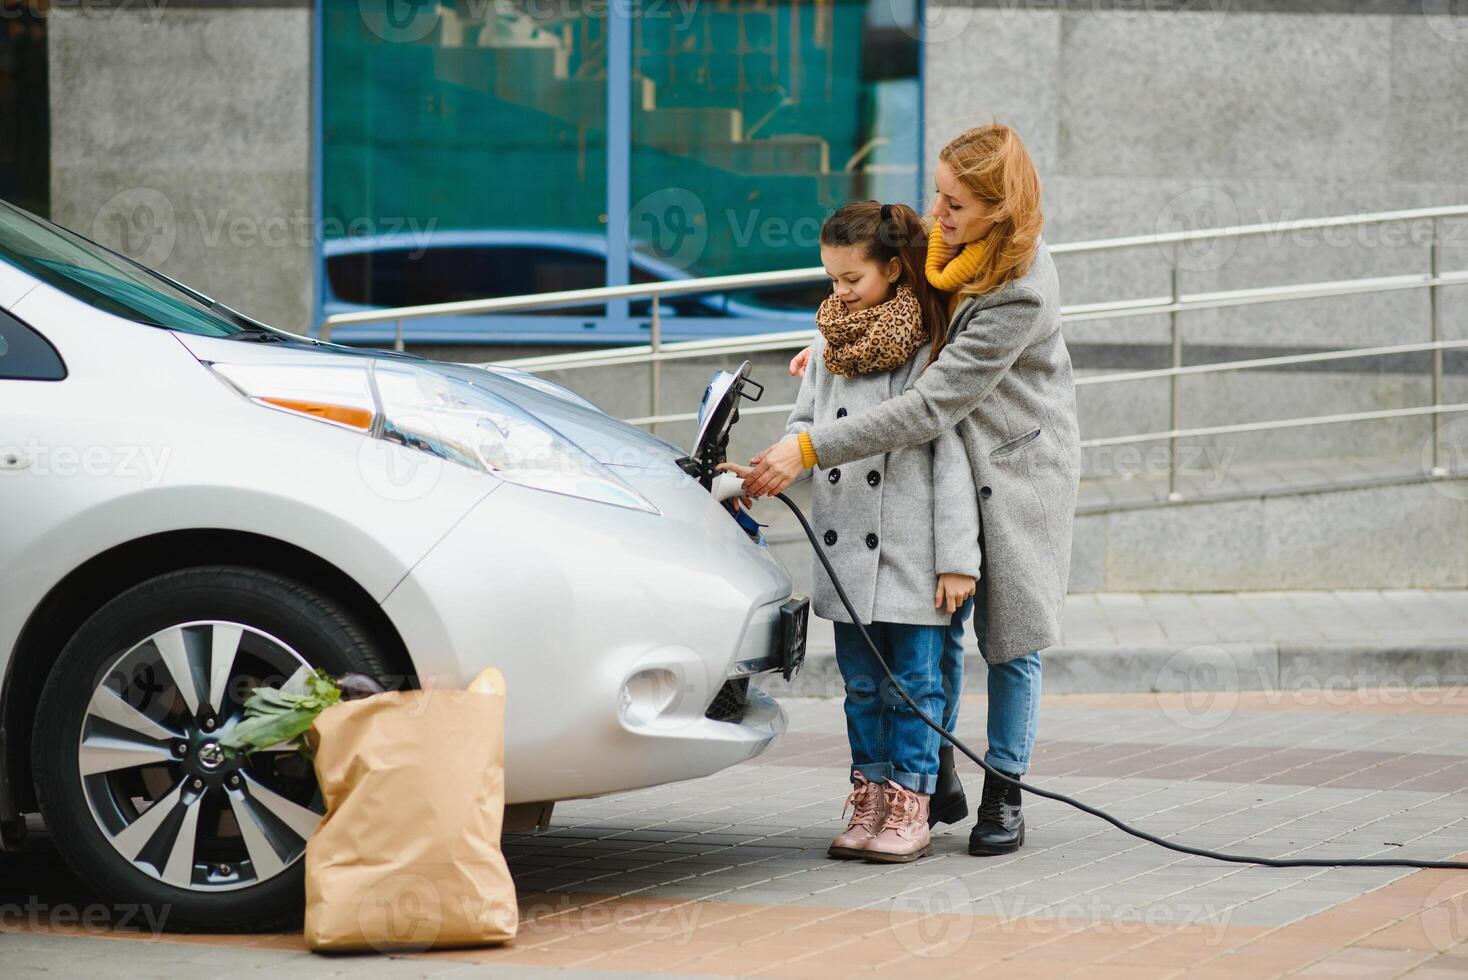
196	505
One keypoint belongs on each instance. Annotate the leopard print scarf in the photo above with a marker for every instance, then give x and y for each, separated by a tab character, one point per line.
879	338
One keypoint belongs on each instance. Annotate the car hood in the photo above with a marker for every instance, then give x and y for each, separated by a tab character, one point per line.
607	440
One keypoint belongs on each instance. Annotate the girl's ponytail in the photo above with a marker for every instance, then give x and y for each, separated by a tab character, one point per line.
893	231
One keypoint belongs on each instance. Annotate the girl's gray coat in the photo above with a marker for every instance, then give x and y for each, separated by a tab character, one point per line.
892	521
1004	379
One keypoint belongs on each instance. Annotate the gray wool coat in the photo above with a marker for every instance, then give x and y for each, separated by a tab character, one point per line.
891	521
1004	378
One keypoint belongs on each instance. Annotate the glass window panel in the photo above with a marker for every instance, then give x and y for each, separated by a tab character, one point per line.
753	120
25	116
462	117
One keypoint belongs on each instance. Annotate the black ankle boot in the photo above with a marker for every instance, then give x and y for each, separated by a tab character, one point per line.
1001	827
948	804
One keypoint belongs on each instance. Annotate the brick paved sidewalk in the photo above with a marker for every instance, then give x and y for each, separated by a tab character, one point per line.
728	875
1129	641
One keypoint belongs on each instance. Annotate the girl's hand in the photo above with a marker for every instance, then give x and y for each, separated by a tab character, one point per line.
798	363
743	502
953	591
774	469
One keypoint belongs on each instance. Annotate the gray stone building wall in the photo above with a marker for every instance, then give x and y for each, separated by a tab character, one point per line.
1151	116
180	135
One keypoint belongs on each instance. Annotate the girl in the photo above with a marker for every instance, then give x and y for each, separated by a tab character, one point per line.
901	528
1004	378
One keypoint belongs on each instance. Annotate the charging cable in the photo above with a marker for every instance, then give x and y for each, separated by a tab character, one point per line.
1061	797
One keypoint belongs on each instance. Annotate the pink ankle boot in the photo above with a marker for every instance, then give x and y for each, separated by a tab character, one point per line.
868	804
904	835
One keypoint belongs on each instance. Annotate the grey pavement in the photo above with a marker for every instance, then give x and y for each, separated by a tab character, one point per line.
728	875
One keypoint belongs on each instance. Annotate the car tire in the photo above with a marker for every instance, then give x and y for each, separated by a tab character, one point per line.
118	657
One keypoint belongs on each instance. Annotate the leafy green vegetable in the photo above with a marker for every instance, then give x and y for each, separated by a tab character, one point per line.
273	716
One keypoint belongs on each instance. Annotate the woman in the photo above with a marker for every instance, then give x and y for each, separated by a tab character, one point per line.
1004	378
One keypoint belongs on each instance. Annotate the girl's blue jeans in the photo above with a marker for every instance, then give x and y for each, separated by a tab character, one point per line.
889	741
1014	696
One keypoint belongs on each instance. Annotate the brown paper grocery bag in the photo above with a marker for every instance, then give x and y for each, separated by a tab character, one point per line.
408	855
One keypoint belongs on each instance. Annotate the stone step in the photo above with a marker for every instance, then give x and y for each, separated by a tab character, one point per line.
1214	645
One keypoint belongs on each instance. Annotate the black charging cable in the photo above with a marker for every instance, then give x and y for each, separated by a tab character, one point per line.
1061	797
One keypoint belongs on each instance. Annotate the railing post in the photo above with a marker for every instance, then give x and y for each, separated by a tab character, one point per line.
1435	307
1176	390
656	366
397	343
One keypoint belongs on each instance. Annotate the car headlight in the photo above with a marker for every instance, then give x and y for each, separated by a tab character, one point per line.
444	416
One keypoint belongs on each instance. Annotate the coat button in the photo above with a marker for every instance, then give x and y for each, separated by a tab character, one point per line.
873	478
985	492
841	413
834	476
830	538
871	540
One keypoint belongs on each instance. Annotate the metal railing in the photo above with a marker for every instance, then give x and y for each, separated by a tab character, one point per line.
1173	305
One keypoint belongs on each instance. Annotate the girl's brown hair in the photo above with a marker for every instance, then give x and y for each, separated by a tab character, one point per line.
992	162
893	231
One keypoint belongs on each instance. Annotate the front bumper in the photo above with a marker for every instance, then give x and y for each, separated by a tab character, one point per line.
615	630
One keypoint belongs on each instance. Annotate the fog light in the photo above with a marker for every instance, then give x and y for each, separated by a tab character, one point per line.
647	694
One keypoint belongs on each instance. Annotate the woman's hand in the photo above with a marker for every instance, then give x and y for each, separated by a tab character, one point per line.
798	363
954	590
745	501
774	469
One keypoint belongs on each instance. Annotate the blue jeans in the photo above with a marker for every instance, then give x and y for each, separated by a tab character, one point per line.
888	740
1014	696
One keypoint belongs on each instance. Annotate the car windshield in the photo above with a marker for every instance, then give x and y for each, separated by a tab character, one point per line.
102	278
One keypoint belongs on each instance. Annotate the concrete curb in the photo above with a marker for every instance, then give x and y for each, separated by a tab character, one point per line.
1197	667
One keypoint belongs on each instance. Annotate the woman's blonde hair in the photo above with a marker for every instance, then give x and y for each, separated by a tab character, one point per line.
992	162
